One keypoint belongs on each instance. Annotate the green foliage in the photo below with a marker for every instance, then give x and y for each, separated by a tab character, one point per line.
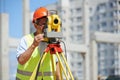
113	77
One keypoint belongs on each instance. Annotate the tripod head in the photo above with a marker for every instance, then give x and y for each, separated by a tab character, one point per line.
52	30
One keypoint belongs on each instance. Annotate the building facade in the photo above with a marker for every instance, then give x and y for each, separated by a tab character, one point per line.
106	19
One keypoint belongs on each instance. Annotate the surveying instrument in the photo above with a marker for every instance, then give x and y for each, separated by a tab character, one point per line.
53	35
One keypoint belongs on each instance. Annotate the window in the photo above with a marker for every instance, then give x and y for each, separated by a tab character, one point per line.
111	5
114	22
97	17
101	7
110	14
90	9
103	15
103	24
98	27
114	12
79	37
79	19
119	21
71	19
114	3
78	10
71	10
119	2
79	28
72	29
79	64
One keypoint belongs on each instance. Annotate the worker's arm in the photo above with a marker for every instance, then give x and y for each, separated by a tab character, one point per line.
58	71
25	56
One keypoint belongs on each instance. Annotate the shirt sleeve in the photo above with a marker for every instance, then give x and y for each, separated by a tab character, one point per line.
21	47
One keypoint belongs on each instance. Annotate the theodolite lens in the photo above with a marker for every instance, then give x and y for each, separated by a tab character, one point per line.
56	21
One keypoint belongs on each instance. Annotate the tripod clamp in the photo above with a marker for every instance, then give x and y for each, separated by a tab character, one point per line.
53	48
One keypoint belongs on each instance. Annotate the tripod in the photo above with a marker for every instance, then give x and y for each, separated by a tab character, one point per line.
55	49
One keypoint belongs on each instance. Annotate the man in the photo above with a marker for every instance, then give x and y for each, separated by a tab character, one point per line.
28	53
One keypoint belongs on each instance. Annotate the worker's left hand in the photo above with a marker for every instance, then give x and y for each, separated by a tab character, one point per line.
37	39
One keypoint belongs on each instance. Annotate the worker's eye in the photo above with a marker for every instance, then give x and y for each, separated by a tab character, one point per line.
41	21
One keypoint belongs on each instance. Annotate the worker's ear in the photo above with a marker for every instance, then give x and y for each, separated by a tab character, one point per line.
35	22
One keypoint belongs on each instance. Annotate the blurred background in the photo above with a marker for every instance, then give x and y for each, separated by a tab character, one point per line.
91	32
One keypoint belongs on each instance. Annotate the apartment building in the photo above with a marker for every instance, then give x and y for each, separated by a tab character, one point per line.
106	19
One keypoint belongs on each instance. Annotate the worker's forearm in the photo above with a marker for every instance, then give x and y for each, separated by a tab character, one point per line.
24	57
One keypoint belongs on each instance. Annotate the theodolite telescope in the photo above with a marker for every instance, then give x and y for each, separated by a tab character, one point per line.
53	27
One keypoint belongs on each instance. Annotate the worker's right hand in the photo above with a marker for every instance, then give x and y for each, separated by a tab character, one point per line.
37	39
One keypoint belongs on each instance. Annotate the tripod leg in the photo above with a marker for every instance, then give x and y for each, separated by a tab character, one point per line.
41	62
53	67
62	65
43	57
67	66
33	76
61	77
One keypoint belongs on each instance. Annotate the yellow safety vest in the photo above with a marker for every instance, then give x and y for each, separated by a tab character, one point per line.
24	71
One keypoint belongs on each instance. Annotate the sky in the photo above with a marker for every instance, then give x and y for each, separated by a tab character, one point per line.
14	9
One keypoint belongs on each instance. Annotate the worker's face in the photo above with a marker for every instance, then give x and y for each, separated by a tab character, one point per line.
41	23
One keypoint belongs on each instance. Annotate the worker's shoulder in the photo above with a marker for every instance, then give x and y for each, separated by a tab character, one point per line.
29	35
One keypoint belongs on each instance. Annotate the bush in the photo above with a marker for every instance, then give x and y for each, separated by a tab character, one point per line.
113	77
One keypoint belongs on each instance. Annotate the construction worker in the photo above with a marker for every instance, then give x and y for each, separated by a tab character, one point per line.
28	53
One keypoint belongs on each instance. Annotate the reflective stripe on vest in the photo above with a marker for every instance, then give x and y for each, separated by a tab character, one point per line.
26	73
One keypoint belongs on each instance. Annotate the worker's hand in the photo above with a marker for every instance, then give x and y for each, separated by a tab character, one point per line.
38	38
